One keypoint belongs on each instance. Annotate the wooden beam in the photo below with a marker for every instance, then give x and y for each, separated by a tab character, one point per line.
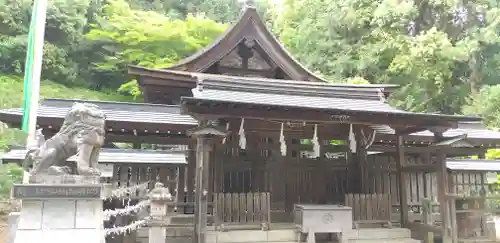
155	127
449	141
149	138
428	139
409	130
227	109
423	149
403	181
155	82
268	73
419	168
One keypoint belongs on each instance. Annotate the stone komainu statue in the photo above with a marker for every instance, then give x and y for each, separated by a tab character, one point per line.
82	134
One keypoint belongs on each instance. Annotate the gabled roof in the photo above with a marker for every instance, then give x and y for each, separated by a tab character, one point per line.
249	27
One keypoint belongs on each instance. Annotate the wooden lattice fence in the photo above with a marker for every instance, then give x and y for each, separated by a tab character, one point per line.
242	207
370	208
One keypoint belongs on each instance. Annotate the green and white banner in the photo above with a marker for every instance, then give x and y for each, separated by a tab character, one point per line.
33	67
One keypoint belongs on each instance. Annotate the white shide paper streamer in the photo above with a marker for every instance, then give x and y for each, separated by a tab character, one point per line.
241	133
126	211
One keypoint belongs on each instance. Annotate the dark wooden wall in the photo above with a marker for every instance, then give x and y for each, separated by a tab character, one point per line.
290	179
381	176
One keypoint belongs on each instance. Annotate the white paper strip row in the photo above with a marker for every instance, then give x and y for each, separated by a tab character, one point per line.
127	210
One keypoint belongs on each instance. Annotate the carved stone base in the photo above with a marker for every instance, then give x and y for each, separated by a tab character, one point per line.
60	212
63	179
60	221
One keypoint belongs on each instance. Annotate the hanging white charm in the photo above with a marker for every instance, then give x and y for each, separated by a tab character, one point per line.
352	140
315	142
282	141
227	129
241	133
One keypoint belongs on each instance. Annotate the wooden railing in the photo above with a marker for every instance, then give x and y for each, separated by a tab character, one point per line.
370	208
242	208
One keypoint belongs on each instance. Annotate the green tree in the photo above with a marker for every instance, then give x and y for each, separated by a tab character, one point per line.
67	21
486	104
147	38
9	175
439	51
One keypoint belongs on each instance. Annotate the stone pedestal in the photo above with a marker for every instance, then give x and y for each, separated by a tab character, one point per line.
60	212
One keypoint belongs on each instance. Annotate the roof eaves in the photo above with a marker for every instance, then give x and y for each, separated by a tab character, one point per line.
394	113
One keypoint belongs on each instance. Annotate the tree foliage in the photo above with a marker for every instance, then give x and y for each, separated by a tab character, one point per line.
486	104
439	51
9	175
157	42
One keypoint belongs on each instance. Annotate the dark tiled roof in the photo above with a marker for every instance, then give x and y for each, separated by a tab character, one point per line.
313	102
259	84
128	156
115	111
473	165
331	97
291	93
292	87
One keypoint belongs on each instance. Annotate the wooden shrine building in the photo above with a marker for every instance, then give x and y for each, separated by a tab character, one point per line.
271	130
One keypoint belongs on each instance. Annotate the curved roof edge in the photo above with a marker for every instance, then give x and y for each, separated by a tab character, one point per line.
248	26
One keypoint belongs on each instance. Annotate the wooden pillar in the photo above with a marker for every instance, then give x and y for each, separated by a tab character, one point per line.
201	188
204	135
191	167
254	155
442	178
181	186
218	169
403	180
354	169
453	212
362	157
482	201
210	173
277	177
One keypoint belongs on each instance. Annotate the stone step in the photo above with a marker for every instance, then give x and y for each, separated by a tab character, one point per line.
406	240
251	236
477	240
378	233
